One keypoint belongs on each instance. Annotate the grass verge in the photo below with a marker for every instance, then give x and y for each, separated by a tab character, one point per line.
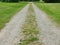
52	10
7	10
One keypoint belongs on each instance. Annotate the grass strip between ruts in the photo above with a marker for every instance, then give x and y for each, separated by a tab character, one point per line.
30	29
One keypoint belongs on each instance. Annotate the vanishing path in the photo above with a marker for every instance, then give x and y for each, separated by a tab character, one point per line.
49	34
11	33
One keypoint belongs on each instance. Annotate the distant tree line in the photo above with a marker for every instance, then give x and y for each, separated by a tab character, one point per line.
17	0
52	1
29	0
9	0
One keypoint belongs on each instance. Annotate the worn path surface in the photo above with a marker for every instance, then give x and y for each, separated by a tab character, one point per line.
49	34
11	33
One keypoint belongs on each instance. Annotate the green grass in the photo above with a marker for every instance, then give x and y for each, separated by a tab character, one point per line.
7	10
28	41
52	10
29	28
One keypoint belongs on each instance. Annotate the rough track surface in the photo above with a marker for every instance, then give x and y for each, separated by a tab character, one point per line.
11	33
49	34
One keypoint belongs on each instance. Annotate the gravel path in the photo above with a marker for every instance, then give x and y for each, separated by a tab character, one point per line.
49	34
11	33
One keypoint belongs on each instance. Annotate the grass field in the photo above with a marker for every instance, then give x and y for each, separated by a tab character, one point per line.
52	10
7	10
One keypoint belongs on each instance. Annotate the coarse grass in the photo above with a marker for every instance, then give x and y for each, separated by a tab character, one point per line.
52	10
7	10
29	28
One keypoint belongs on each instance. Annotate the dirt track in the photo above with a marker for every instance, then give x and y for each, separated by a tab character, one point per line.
11	33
